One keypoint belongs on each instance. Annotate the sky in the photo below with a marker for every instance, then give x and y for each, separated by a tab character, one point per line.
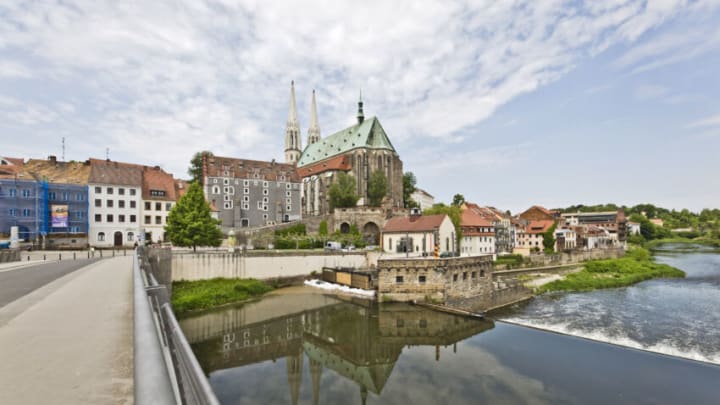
510	103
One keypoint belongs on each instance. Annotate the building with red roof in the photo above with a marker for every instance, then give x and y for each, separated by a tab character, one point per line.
418	235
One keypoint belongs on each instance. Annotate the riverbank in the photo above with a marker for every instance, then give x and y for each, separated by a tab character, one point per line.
653	244
635	267
190	296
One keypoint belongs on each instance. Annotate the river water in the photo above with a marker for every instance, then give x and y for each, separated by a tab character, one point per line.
299	345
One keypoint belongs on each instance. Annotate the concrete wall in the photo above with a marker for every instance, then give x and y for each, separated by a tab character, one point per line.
262	265
9	255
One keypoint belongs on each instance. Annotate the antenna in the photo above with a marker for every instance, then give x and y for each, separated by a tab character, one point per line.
63	147
107	153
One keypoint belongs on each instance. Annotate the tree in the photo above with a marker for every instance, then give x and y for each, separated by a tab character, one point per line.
377	188
453	212
342	192
458	200
409	182
323	229
189	222
549	239
196	166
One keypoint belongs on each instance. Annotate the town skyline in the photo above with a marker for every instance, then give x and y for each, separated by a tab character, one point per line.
607	104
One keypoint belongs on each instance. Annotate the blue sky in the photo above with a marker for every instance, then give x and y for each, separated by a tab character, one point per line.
509	103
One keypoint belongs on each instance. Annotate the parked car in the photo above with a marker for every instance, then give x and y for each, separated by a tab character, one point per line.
333	246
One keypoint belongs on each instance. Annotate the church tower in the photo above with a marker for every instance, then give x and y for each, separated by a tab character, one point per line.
314	130
293	143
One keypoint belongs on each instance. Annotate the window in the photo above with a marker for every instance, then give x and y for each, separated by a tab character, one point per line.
454	277
266	191
473	274
216	190
265	183
288	208
79	215
98	202
215	181
423	323
109	218
25	212
74	229
26	193
13	212
79	197
246	206
422	279
464	275
133	218
109	190
148	206
130	236
147	219
121	191
227	198
51	195
265	207
13	192
246	183
265	216
132	204
121	218
399	279
158	206
65	196
288	185
246	198
226	181
157	193
101	237
265	200
390	243
288	194
158	220
228	205
246	191
98	190
109	203
121	203
98	217
132	191
482	273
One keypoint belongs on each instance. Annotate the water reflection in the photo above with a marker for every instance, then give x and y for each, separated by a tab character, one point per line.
356	339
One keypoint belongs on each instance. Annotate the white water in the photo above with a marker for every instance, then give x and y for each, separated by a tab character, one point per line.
340	288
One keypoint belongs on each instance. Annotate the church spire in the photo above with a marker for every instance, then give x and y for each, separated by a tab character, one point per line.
314	130
293	143
360	114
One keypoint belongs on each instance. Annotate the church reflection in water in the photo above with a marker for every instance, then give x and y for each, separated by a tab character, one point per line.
356	339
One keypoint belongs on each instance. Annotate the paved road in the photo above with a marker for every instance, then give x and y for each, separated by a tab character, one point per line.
19	282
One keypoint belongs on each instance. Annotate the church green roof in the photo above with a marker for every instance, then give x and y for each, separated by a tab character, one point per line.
367	134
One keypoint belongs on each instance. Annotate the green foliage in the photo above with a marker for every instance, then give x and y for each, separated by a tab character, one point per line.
195	295
196	168
323	229
297	229
342	192
458	200
453	212
377	188
635	267
409	182
549	239
189	223
512	260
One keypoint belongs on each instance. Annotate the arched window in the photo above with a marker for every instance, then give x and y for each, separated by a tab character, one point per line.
101	237
216	190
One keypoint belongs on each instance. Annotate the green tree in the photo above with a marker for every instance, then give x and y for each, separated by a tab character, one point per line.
377	188
196	166
409	182
190	223
323	229
453	212
458	200
549	239
342	192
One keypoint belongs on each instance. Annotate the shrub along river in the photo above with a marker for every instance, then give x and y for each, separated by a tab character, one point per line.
299	345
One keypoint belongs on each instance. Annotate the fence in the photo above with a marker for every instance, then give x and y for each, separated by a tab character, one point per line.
182	380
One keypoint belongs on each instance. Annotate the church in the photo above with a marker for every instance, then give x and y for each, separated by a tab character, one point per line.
358	150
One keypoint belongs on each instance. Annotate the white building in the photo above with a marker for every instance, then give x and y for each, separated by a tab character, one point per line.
158	198
424	199
478	235
114	194
418	235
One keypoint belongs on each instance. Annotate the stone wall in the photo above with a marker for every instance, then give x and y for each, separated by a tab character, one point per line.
9	255
445	280
262	265
562	259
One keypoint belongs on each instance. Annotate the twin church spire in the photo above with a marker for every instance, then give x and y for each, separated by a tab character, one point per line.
293	141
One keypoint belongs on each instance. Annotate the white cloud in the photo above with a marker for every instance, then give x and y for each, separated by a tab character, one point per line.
711	121
650	92
182	76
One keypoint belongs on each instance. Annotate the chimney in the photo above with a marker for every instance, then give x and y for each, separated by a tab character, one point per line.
52	159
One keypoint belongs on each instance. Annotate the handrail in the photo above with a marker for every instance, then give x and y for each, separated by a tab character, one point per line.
151	376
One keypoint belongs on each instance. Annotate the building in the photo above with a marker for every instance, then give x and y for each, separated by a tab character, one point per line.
251	193
18	195
159	195
359	151
538	213
115	192
633	228
612	221
478	234
502	223
424	199
418	235
565	239
530	236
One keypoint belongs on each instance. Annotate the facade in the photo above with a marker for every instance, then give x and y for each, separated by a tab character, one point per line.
418	235
424	199
612	221
478	235
538	213
504	231
530	236
158	198
250	193
633	228
565	239
359	151
115	193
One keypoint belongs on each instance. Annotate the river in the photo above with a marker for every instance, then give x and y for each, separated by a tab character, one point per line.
299	345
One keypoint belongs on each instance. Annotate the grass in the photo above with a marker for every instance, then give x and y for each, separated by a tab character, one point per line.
635	267
190	296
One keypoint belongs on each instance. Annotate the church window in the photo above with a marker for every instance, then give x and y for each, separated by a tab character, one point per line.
246	191
216	190
265	191
265	183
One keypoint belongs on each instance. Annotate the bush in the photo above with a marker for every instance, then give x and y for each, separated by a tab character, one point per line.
297	229
195	295
323	230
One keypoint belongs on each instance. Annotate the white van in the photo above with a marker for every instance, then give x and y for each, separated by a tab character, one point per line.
333	246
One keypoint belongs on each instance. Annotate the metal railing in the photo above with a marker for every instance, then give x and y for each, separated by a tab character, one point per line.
166	370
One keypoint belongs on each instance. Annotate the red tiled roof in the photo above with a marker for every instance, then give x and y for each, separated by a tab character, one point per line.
414	224
471	218
116	173
341	162
156	179
12	169
535	227
216	166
